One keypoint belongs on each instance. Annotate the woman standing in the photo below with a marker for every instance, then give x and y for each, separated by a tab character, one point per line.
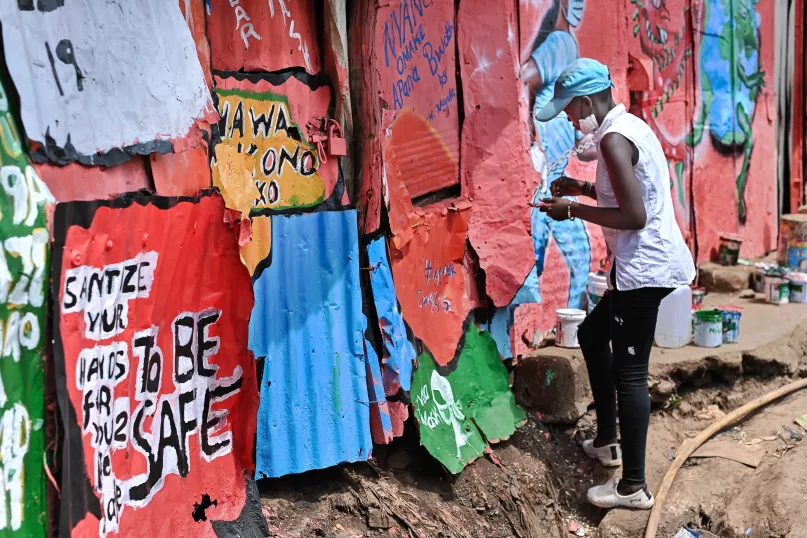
649	259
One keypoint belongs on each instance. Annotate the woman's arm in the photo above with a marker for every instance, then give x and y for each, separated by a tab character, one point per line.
619	155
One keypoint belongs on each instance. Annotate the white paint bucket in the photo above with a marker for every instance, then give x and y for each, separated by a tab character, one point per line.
708	328
798	287
569	320
597	286
777	290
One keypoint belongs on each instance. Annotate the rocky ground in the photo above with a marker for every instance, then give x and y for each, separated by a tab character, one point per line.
534	485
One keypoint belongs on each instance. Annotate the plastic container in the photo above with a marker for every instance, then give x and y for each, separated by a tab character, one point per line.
758	276
569	320
729	250
597	286
698	293
798	287
708	328
731	323
797	256
674	325
777	289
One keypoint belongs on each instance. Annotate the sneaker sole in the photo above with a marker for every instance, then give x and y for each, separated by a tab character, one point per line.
646	506
605	463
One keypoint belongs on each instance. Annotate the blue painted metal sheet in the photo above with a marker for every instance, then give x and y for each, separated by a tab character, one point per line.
308	324
400	354
380	419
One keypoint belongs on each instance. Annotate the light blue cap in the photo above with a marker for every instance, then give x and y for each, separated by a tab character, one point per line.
583	76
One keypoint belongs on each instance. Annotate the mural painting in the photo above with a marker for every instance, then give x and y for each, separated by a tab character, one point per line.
308	327
701	98
156	385
78	100
24	274
270	121
547	49
496	169
459	410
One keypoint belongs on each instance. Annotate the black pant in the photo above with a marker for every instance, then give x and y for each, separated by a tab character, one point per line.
627	321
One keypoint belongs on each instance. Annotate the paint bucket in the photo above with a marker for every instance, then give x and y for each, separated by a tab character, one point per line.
758	276
597	286
731	323
797	257
698	293
729	251
708	328
798	288
793	242
777	289
569	320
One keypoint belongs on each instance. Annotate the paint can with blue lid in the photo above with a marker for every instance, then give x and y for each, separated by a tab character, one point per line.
798	288
731	323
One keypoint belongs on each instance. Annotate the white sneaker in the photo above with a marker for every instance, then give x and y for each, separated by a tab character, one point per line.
606	496
608	455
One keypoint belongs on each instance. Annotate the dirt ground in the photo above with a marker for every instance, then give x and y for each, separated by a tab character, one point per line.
534	485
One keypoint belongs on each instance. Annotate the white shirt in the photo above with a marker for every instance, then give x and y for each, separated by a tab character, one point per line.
656	255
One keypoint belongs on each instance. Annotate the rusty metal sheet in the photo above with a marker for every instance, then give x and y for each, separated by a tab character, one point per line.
263	35
103	81
308	325
157	389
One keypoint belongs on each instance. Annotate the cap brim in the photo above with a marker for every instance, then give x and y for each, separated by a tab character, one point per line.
553	108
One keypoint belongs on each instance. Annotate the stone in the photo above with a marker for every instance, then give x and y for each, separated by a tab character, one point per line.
721	279
660	390
554	382
748	294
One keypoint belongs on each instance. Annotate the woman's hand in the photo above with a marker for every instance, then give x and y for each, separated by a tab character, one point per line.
555	208
566	186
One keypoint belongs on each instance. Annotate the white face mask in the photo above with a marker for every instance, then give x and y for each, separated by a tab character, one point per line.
574	14
589	125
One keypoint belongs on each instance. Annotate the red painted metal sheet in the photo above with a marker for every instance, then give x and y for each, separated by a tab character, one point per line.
429	278
414	53
496	168
157	388
263	35
368	146
78	182
194	13
181	174
798	151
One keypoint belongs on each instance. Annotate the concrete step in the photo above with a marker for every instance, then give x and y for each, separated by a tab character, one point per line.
773	342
